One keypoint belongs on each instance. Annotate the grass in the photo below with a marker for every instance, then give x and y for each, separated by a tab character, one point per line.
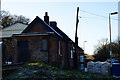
39	70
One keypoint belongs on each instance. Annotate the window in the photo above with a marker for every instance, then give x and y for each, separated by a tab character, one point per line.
44	46
72	52
59	48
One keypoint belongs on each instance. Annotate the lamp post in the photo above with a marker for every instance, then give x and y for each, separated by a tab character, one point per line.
110	34
84	45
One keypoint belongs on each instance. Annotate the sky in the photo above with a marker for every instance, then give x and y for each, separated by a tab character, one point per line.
93	23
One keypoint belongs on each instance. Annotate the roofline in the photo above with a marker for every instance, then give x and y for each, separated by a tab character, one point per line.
33	34
42	22
66	38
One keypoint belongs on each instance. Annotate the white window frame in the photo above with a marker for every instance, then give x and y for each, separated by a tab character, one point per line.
71	54
72	51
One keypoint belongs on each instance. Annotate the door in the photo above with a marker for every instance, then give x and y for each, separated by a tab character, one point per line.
23	51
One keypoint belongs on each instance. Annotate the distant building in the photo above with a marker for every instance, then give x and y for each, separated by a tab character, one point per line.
43	41
16	28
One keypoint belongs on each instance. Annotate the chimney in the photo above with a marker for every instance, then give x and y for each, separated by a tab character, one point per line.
46	18
53	23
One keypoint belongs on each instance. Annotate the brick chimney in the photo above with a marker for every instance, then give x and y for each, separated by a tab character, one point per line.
53	23
46	18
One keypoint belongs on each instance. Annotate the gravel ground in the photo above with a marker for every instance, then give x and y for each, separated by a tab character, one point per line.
40	71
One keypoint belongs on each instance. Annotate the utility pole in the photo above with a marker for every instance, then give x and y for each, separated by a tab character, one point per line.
76	42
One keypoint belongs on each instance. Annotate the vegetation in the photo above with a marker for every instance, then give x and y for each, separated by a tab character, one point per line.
33	71
101	52
7	19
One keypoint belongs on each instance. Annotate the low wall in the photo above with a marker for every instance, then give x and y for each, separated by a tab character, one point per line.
99	67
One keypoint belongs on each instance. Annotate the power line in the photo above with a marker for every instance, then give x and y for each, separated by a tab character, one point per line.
98	15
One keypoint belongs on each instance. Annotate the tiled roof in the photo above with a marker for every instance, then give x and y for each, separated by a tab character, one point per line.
55	29
13	29
60	32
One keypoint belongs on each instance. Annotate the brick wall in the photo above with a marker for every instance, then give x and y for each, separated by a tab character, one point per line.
36	54
38	28
34	48
53	51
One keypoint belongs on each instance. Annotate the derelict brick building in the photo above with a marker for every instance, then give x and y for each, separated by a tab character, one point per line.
44	41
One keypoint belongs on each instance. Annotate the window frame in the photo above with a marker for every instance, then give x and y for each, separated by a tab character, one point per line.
59	48
44	45
72	52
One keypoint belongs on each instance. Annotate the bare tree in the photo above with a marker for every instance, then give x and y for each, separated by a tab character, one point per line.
101	52
7	19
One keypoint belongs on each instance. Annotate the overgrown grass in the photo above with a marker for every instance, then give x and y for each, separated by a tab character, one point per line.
39	70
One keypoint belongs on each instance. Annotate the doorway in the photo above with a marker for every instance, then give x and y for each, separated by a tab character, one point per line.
23	51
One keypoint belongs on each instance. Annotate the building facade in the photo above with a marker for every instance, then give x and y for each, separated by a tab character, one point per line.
43	41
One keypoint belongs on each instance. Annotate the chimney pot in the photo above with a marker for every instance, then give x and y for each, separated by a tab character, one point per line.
46	18
46	13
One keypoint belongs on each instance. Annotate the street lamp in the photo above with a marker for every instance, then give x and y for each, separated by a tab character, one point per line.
84	45
110	35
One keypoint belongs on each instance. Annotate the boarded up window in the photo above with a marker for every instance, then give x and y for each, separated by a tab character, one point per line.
44	46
